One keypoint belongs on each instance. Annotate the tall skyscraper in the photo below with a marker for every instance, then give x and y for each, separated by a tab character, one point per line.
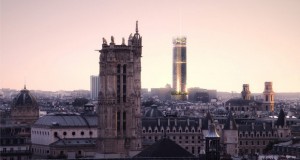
120	98
179	68
94	84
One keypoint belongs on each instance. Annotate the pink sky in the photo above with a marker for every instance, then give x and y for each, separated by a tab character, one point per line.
52	43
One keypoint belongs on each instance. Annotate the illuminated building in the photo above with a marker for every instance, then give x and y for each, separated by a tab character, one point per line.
179	68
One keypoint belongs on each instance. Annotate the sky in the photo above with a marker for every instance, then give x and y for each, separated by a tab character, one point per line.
50	44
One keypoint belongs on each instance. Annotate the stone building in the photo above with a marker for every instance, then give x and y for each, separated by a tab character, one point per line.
188	132
120	98
64	135
15	127
24	109
15	142
246	105
255	136
230	136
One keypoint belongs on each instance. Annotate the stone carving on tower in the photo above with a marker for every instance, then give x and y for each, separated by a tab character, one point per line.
120	98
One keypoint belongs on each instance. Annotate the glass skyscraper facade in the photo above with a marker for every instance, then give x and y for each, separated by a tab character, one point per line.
179	65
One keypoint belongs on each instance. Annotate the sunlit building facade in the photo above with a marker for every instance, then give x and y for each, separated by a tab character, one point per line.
179	68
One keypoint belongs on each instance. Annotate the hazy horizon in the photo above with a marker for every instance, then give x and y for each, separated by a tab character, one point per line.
50	45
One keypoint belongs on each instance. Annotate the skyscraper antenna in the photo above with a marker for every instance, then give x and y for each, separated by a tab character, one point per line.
180	18
136	27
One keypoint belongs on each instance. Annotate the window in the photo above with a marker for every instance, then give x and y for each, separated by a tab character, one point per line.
118	121
124	121
73	133
65	133
82	133
55	134
91	133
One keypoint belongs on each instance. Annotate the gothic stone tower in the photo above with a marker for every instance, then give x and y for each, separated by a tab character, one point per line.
120	97
268	103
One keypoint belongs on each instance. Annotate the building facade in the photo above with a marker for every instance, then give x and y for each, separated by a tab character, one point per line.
94	87
179	68
120	98
64	135
24	109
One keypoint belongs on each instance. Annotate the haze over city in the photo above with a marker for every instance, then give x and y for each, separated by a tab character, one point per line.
51	44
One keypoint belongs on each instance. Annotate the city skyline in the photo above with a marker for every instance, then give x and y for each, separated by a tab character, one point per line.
50	45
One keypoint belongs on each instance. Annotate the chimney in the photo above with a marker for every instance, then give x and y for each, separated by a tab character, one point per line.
200	122
158	121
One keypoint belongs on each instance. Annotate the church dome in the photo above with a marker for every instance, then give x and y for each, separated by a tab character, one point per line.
24	98
154	112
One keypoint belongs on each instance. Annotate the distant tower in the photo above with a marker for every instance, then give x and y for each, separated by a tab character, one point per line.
246	92
120	98
24	109
94	84
268	103
179	68
212	144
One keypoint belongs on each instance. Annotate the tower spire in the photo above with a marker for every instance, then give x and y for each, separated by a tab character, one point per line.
136	27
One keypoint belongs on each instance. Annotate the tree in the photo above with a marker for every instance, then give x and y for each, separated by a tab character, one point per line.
80	101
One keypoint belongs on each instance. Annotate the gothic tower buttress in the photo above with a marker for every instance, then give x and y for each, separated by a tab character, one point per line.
120	97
